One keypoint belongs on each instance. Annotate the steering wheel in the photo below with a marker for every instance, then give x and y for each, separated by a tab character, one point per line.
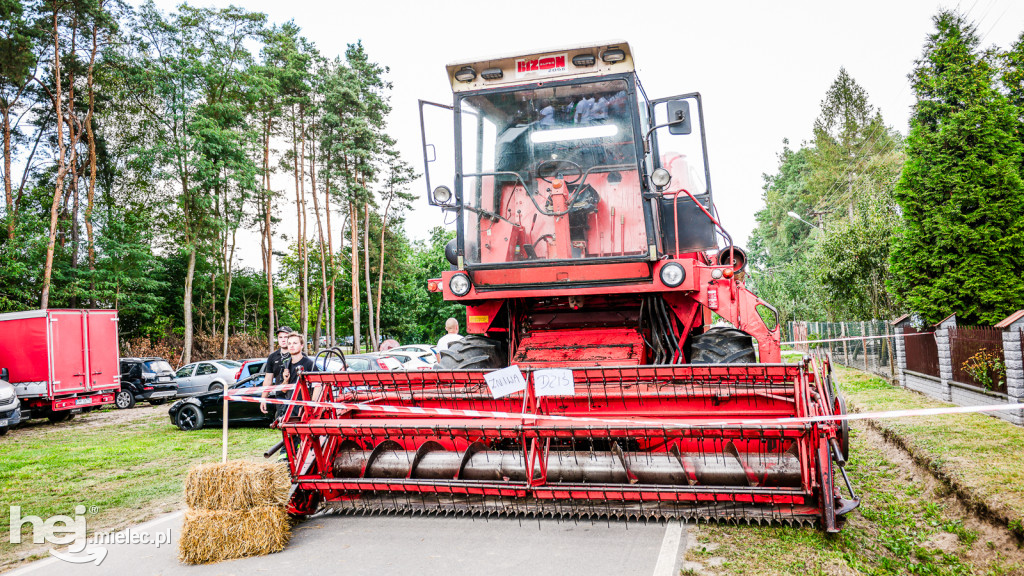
553	170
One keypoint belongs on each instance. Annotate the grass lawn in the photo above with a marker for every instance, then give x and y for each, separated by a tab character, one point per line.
908	521
124	466
980	456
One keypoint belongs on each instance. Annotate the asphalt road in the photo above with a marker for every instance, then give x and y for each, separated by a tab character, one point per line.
425	546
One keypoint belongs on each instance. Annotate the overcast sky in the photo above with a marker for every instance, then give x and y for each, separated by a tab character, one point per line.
761	67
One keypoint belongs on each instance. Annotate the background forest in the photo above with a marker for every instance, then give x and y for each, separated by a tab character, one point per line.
138	143
863	222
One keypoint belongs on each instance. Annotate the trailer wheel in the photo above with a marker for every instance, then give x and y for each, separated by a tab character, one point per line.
473	352
190	418
124	399
61	416
722	346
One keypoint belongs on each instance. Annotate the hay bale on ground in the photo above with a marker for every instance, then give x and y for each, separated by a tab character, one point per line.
215	535
237	485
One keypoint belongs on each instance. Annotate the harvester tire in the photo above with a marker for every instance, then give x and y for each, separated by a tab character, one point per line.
722	346
473	353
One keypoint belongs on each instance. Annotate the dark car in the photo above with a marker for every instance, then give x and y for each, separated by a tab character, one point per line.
150	379
194	412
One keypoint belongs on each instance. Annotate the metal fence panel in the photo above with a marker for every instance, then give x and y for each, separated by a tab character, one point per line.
977	355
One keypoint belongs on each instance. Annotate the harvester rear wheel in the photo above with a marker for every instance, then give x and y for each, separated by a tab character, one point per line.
473	352
722	346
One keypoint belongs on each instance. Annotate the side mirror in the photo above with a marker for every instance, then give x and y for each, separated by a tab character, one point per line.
5	374
679	117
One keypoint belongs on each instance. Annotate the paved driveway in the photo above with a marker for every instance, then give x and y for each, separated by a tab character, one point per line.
420	545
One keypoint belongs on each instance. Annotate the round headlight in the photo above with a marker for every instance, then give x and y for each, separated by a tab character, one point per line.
459	284
672	274
716	273
660	178
442	194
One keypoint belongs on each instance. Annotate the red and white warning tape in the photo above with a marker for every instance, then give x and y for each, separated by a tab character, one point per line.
854	338
247	396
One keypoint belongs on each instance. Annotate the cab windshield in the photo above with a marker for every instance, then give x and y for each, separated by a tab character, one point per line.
550	173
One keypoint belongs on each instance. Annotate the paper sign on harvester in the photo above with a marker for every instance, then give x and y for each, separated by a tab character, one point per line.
554	382
505	381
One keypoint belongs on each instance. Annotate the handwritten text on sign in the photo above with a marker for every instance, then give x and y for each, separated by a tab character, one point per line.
554	382
505	381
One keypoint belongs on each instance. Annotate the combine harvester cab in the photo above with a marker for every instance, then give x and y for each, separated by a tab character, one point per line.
588	244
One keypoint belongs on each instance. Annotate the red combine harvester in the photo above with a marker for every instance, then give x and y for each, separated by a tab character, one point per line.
61	361
588	241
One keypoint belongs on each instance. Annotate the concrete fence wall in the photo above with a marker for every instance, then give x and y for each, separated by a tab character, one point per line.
947	389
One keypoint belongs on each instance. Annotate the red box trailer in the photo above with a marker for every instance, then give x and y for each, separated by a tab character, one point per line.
61	360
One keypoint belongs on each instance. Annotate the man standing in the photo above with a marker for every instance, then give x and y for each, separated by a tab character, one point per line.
273	364
297	361
452	327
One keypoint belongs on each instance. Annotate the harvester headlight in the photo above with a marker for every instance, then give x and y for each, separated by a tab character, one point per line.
492	74
465	74
459	284
612	56
583	60
442	194
672	274
716	273
661	178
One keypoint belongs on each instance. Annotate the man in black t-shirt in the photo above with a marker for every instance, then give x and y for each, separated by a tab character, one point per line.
294	364
272	367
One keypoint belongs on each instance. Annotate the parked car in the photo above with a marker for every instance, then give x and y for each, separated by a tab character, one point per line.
420	350
207	376
150	379
10	406
360	363
205	409
249	367
412	361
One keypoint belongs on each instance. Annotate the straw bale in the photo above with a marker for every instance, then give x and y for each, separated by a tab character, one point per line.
214	535
237	485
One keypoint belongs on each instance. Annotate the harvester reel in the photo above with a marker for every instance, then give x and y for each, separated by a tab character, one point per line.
473	352
722	346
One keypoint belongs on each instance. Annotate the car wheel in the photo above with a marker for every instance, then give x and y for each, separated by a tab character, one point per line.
216	387
190	418
157	402
124	399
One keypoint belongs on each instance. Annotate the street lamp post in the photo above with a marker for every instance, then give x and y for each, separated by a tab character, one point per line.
797	216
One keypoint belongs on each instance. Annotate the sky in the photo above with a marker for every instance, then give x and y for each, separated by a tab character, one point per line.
762	68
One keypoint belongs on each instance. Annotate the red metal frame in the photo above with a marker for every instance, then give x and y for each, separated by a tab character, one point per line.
678	410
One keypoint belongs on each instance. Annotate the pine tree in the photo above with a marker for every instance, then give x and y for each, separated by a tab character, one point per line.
960	246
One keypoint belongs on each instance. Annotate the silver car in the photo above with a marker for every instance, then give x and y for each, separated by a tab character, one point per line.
207	376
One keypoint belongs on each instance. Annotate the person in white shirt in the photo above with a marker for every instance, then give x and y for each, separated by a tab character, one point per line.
452	327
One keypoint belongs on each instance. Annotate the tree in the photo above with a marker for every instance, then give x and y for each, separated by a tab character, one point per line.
960	245
19	56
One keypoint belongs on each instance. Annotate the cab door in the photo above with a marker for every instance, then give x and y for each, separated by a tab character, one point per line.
68	352
102	350
678	145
